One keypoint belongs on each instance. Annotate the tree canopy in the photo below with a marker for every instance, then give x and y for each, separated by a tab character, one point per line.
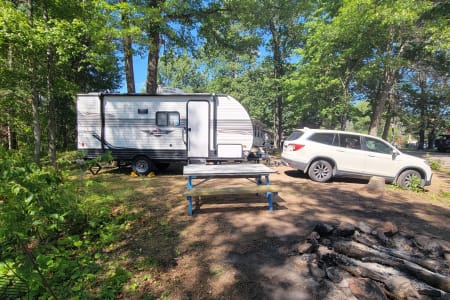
291	63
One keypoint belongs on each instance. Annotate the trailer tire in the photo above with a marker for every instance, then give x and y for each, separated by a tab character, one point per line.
142	165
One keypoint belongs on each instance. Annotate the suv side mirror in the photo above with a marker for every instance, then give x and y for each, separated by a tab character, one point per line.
395	153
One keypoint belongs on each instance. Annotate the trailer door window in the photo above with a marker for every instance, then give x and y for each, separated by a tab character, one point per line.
165	118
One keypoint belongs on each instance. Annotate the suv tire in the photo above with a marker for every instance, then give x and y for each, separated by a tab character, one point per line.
407	178
320	171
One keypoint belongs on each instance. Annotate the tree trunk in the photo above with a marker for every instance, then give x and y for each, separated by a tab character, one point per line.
128	56
34	97
387	124
423	113
50	96
421	142
380	103
129	68
12	136
278	123
390	114
346	101
391	67
277	74
51	108
152	66
35	107
431	138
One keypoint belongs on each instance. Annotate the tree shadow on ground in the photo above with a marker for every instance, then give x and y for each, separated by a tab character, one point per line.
258	259
300	174
234	248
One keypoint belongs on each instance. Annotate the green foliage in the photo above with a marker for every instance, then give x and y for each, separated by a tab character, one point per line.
49	235
435	164
37	210
181	72
106	157
115	282
360	117
51	50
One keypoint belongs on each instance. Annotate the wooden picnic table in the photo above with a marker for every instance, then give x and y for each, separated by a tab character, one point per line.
206	172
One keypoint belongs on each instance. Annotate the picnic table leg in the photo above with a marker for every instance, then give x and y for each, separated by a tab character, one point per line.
258	180
189	198
269	199
268	194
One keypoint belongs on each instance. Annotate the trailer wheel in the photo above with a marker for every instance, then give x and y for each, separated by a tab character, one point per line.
142	165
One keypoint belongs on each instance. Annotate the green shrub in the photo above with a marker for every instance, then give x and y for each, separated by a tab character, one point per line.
435	164
41	224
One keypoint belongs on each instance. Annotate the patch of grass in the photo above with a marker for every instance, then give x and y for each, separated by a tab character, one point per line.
444	197
124	218
435	164
114	283
198	245
147	263
215	271
415	184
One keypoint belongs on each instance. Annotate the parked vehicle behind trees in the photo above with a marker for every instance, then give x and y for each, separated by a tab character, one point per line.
443	143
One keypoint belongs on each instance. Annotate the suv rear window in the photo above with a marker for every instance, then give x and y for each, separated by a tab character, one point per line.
324	138
295	135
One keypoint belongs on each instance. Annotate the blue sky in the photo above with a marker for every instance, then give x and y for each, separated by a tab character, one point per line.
140	74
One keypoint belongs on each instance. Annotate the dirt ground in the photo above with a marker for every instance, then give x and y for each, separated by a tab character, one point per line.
233	247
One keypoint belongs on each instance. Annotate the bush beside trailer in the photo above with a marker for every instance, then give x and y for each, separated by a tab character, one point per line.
150	131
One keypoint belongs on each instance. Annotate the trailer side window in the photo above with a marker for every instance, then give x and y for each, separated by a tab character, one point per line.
164	118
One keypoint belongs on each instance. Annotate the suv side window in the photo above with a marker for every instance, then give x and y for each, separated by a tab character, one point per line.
324	138
375	145
350	141
295	135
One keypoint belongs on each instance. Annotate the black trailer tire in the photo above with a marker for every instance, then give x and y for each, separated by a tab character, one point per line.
407	178
142	165
320	171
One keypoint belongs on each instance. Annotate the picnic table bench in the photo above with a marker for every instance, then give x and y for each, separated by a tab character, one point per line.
206	172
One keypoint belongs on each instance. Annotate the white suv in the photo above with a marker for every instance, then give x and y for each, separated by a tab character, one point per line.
323	154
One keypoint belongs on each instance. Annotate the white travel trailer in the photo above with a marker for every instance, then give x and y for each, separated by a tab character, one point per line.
150	131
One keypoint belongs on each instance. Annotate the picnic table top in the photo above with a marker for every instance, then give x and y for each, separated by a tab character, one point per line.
235	170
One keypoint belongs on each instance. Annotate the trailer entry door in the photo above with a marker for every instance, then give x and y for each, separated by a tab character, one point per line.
198	129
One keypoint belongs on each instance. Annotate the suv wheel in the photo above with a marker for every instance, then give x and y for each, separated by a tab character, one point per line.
320	171
409	179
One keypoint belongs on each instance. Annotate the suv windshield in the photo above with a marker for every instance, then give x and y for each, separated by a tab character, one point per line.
295	135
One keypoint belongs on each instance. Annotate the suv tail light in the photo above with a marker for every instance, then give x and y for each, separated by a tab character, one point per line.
294	147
